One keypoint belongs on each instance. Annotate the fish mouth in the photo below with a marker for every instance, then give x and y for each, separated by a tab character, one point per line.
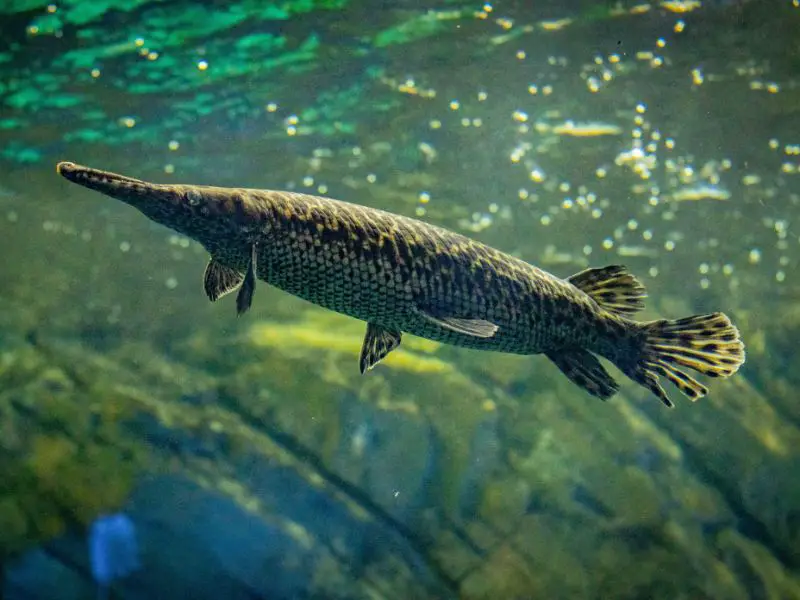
95	178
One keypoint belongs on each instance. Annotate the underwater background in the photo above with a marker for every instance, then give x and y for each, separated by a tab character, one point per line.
154	445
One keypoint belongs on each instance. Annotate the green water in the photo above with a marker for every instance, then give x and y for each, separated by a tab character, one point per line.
253	458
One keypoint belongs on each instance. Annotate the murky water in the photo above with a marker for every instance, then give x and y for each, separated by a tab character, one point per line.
249	456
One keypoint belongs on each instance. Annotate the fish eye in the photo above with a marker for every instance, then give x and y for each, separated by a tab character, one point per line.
193	197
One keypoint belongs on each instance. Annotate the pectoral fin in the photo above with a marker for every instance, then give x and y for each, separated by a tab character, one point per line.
474	327
584	370
219	280
378	342
245	296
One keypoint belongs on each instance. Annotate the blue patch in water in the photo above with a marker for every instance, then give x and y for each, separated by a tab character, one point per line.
113	550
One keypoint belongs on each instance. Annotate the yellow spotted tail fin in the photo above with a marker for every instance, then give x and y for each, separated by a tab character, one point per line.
709	344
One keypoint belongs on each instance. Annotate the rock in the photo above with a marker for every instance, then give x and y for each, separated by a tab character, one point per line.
370	439
39	575
483	462
770	493
756	568
198	543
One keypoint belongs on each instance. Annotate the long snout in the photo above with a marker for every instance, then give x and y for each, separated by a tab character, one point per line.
193	210
130	190
160	202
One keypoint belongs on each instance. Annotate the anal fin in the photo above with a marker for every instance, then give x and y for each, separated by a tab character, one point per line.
378	342
474	327
584	369
219	280
245	296
613	288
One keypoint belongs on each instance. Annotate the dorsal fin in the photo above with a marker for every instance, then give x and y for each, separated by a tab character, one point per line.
613	288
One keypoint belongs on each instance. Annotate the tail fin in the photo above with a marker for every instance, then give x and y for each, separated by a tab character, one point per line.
708	344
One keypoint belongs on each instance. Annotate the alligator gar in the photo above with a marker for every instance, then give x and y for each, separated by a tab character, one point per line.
401	275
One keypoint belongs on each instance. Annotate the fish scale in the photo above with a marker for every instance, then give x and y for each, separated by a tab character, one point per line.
491	285
402	275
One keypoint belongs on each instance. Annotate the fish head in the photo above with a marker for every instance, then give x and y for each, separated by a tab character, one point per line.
209	215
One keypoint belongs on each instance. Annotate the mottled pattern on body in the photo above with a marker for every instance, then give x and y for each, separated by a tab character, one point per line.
381	268
402	275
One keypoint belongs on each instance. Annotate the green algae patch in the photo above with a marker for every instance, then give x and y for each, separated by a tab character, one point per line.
21	153
315	336
24	97
13	524
159	55
740	554
87	57
85	135
335	110
177	24
67	455
83	480
417	28
77	12
258	43
14	6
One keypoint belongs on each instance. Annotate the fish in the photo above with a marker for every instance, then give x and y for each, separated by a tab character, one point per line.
404	276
